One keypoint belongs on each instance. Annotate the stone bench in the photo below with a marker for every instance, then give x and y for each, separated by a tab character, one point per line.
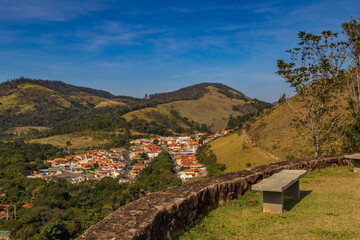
284	183
356	158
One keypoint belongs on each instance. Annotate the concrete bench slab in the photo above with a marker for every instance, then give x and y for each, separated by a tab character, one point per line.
284	183
356	158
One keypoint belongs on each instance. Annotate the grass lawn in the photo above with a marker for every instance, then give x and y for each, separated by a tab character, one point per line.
328	209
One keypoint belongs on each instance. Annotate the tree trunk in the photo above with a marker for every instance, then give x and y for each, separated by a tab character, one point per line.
317	145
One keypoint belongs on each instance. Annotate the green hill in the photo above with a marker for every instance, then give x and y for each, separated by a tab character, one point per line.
54	104
57	86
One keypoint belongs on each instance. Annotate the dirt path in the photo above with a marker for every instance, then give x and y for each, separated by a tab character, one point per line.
247	138
251	142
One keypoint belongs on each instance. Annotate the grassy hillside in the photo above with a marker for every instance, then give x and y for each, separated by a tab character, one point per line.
325	211
110	104
32	102
56	86
213	109
27	97
77	142
274	133
195	92
236	154
21	97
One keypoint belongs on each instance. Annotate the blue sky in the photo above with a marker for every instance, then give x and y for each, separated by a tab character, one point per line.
136	47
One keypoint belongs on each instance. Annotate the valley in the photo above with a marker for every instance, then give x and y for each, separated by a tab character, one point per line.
72	139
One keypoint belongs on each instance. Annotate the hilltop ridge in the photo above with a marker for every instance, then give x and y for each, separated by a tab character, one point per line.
38	102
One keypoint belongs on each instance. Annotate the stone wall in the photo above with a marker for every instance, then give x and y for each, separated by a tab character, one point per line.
162	214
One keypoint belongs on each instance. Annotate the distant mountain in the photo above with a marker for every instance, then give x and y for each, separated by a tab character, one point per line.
56	86
195	92
43	103
25	102
206	103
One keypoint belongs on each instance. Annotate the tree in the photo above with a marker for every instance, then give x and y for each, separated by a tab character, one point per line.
144	156
96	166
282	98
315	73
68	144
156	141
352	34
54	230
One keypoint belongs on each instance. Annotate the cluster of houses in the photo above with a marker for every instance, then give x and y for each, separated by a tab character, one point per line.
90	166
142	151
99	164
182	149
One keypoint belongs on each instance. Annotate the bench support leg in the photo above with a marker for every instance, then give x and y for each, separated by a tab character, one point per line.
273	202
293	191
356	165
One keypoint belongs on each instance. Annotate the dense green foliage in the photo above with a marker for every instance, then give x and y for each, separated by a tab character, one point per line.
159	174
18	157
194	126
206	156
239	121
62	209
261	105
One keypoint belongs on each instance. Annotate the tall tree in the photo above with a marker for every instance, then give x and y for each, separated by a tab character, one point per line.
352	34
315	72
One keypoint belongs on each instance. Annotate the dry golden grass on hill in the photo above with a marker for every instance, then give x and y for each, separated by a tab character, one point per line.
275	131
275	135
213	109
78	142
232	151
26	129
110	104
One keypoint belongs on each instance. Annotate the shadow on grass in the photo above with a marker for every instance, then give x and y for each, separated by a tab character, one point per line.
289	204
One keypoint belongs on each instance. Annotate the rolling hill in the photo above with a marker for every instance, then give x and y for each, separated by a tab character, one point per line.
25	102
33	102
208	103
213	108
22	95
273	137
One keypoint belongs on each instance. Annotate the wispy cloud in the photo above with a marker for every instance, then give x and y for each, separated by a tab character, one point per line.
47	10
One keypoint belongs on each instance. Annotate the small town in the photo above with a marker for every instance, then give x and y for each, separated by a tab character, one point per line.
95	165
